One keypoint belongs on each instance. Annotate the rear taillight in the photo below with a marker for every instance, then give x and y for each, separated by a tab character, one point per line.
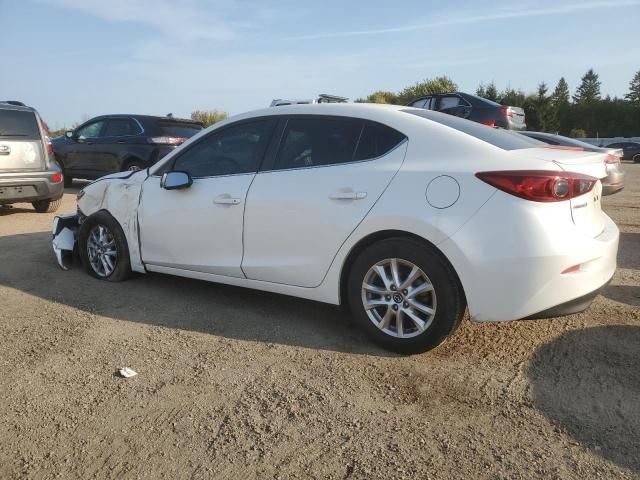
539	185
506	111
168	140
56	177
47	144
609	159
489	123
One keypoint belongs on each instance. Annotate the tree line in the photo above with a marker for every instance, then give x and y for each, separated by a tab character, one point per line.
584	114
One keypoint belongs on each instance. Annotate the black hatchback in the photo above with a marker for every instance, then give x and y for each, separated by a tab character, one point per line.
113	143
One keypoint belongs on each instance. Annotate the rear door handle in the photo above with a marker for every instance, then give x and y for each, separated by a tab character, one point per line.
347	195
226	199
5	149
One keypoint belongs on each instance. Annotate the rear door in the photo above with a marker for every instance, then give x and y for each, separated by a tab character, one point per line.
118	138
21	147
321	181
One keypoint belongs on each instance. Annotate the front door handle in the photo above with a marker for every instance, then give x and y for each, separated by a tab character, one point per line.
347	195
226	199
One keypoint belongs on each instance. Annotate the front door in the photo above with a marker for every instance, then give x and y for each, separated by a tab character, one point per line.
200	228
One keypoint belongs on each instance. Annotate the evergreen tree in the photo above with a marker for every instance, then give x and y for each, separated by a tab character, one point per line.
489	92
634	89
561	94
589	89
427	87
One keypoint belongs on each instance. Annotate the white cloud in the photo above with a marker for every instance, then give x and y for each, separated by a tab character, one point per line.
459	19
185	20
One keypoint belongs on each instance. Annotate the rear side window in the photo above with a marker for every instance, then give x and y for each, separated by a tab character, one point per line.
377	140
14	123
504	139
120	127
312	142
178	129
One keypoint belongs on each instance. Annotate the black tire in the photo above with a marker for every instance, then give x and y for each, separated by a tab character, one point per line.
134	165
46	206
636	158
449	296
122	268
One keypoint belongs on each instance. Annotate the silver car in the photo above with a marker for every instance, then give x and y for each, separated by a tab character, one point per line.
615	175
28	171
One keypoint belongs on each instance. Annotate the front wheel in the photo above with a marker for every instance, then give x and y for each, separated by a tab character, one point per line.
103	248
405	295
636	158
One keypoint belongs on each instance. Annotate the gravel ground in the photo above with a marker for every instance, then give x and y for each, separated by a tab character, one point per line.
235	383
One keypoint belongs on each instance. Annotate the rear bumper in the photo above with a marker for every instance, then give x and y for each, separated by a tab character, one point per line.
613	183
571	307
512	270
29	186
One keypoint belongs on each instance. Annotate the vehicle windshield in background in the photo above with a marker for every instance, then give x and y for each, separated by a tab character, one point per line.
498	137
178	129
14	123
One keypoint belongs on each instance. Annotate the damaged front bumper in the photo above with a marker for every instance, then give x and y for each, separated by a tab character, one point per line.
65	233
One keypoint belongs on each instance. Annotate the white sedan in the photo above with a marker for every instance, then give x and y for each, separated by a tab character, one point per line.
407	216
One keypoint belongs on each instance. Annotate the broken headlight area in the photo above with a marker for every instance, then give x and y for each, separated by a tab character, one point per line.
65	233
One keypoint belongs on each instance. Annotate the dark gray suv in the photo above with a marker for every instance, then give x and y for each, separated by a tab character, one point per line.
28	171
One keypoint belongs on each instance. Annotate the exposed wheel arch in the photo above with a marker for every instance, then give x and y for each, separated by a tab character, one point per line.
372	238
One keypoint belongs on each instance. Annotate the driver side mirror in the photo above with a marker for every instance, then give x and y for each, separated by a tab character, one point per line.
69	134
175	180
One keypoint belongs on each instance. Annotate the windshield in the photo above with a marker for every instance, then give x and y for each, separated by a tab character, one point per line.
14	123
498	137
179	129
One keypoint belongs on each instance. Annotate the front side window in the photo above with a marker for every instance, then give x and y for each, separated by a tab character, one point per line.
312	142
92	130
235	149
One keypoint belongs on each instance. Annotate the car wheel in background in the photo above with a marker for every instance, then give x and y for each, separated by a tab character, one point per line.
103	248
46	206
636	158
134	166
405	295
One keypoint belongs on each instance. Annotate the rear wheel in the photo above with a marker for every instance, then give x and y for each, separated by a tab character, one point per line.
103	248
46	206
636	158
405	295
134	166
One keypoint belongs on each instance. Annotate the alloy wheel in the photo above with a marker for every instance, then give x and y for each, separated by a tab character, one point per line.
399	298
102	251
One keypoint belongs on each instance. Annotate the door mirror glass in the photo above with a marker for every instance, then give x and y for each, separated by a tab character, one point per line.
176	180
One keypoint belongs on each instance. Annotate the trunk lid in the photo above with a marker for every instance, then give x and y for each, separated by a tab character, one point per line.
21	146
586	210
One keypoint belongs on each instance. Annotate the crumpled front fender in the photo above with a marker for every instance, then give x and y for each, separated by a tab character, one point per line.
65	233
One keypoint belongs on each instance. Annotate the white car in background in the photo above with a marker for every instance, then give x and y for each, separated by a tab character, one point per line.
406	215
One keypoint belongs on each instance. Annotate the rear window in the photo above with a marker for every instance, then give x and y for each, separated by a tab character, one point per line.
179	129
14	123
504	139
376	140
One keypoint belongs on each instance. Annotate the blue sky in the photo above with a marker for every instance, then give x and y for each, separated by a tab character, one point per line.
73	59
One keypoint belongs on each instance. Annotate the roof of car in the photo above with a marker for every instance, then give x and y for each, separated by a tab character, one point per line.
143	117
18	108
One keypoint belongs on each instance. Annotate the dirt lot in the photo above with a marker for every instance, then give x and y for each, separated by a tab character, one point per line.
241	384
